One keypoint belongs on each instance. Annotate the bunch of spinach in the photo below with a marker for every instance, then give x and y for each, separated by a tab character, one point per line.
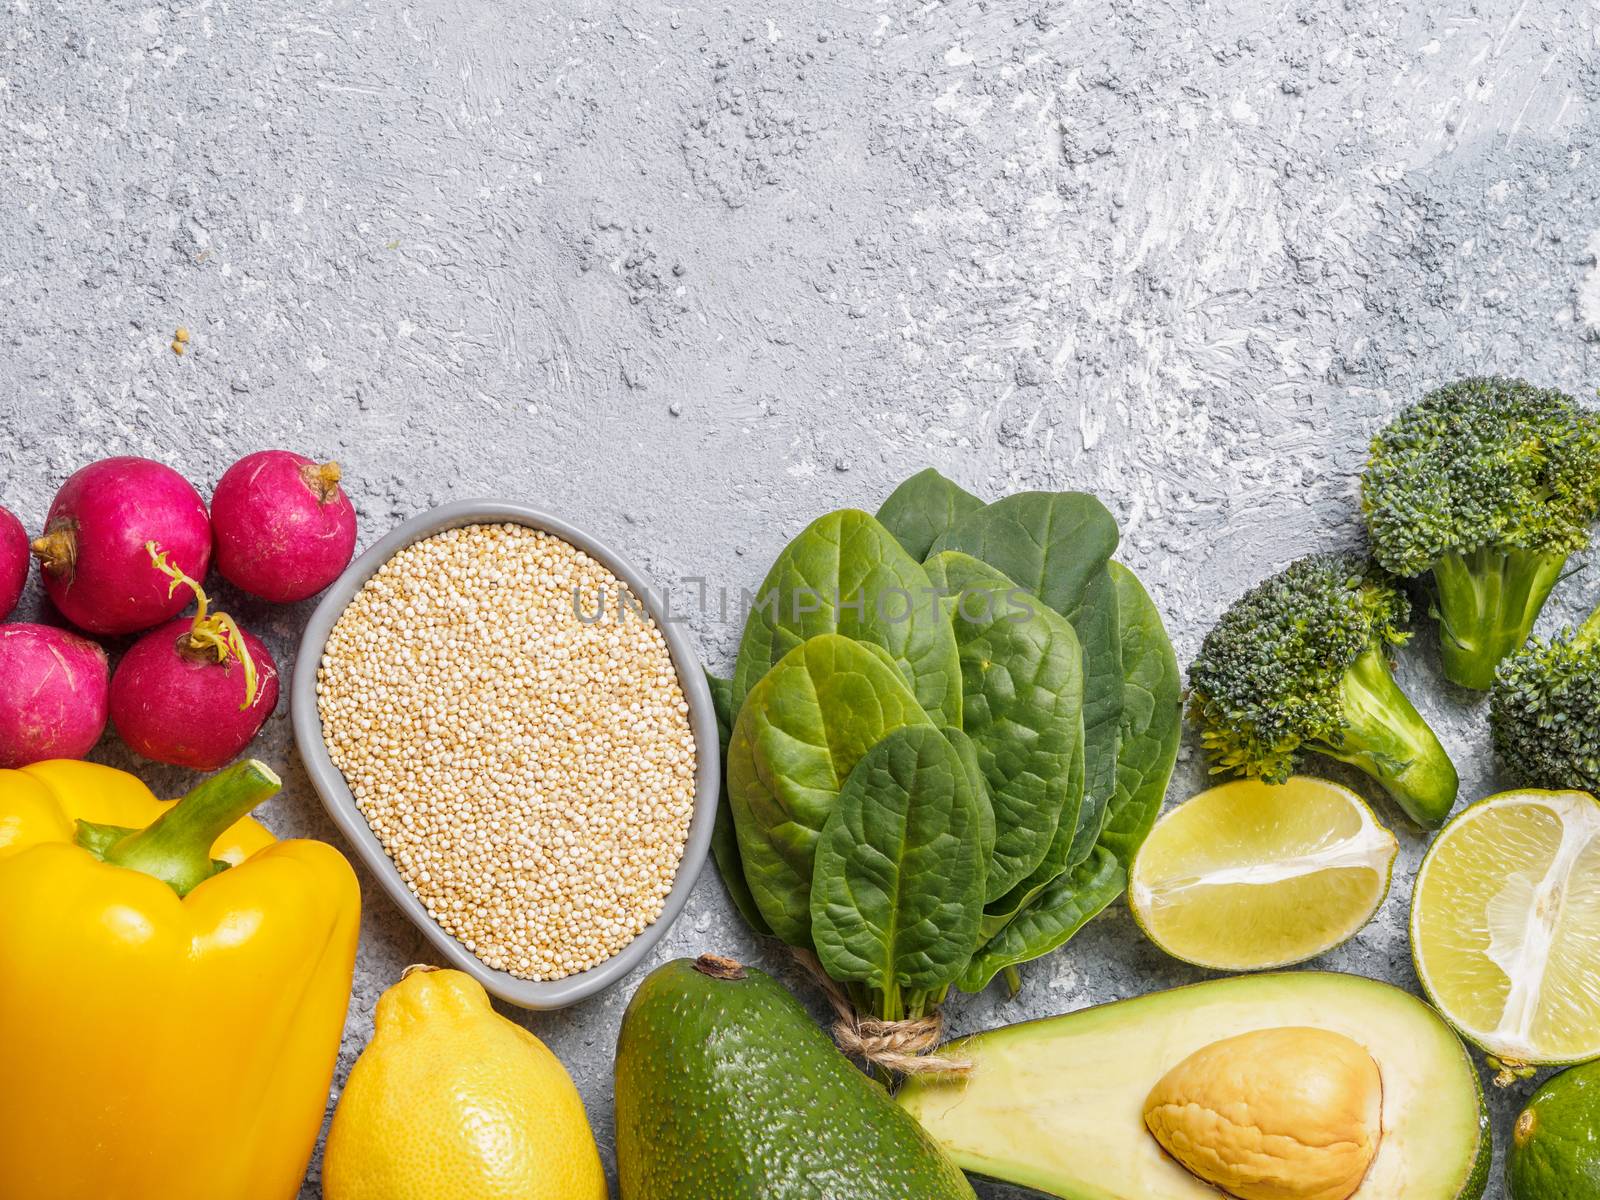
948	729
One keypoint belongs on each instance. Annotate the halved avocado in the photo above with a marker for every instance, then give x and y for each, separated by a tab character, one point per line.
1057	1105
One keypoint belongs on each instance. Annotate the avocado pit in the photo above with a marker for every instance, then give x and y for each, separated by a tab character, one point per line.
1274	1114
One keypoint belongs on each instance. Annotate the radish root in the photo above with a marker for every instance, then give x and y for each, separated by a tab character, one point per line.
211	633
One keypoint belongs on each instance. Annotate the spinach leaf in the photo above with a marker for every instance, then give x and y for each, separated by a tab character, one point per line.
1098	624
923	508
998	913
1051	543
1058	912
1150	730
1022	690
846	574
724	839
1152	718
801	732
1057	545
898	887
968	752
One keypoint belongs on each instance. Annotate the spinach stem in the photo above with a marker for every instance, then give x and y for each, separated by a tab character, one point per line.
894	1008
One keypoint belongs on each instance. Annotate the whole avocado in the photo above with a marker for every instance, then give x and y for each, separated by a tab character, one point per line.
728	1090
1555	1145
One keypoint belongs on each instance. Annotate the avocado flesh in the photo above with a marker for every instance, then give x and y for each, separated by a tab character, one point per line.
1057	1105
727	1089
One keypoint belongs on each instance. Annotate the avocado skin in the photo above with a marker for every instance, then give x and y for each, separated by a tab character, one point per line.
1555	1145
1478	1181
726	1089
1473	1189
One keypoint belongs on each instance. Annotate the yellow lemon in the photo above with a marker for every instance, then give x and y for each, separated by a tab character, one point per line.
450	1099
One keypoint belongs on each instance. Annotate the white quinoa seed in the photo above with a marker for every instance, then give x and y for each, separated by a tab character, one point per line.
530	774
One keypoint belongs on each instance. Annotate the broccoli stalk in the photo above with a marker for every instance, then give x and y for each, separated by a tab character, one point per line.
1587	635
1485	487
1487	603
1545	711
1385	736
1301	662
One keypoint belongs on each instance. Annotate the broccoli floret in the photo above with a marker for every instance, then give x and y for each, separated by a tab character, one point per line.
1487	486
1545	711
1302	662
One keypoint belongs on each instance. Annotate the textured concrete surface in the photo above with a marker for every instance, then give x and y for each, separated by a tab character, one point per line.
692	275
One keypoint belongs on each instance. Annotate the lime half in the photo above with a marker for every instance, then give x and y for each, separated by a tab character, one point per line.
1250	875
1505	926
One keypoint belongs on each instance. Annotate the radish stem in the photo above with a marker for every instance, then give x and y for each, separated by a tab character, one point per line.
323	479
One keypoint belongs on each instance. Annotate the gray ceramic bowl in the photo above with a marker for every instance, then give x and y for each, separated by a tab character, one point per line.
341	806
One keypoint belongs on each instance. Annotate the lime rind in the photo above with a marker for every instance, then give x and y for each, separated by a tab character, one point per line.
1520	941
1370	846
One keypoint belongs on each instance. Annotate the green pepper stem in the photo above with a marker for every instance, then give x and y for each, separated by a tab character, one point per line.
98	839
176	847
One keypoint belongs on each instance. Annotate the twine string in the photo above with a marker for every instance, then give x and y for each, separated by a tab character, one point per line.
904	1047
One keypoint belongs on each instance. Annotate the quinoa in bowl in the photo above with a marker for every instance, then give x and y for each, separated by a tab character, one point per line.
518	747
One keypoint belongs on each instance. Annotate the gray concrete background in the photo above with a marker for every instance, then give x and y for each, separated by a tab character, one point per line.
690	276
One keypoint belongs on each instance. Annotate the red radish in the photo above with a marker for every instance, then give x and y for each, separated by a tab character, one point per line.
194	692
13	561
53	687
93	556
285	529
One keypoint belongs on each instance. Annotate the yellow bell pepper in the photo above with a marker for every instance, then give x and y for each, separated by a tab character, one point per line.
173	985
